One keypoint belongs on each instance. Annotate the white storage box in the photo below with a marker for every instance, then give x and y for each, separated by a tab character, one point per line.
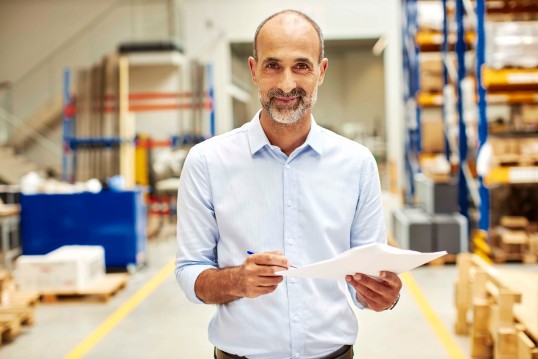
66	269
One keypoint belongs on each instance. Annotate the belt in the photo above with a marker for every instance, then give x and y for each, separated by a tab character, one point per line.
345	352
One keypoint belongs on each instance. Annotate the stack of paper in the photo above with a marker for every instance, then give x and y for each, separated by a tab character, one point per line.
369	259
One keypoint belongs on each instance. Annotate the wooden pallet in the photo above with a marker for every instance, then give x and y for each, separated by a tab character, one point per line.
10	327
515	161
504	309
101	290
27	299
25	314
500	256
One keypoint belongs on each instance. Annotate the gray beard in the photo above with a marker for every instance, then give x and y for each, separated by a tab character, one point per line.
289	115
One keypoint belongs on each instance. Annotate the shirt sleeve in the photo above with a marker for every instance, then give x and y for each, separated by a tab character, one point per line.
197	231
369	223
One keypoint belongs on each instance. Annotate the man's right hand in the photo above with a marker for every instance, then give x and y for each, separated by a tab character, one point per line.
256	276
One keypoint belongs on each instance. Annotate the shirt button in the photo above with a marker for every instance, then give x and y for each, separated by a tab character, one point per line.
290	203
295	318
290	241
293	280
287	167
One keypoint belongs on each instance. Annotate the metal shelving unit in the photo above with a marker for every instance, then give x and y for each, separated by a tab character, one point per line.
494	86
411	75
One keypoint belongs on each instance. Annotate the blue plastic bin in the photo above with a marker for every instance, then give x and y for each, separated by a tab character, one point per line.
114	220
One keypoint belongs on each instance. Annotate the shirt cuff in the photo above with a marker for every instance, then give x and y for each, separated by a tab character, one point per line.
187	278
353	293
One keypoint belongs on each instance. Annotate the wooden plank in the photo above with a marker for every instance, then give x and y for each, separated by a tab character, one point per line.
101	289
526	348
7	210
126	126
25	314
481	346
525	312
463	293
514	237
11	325
28	299
506	344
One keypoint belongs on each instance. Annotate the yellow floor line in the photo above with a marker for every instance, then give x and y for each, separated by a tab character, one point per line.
439	329
115	318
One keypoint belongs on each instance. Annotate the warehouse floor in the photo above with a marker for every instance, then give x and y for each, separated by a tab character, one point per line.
152	319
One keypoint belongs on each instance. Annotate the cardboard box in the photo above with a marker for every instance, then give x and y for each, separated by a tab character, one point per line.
529	114
66	269
433	139
431	82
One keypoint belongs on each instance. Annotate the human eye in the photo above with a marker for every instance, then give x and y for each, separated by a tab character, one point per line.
272	66
302	66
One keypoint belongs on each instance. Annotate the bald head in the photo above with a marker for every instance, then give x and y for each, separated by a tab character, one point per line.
290	17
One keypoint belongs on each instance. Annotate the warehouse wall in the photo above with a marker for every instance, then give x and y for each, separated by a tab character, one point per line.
209	26
30	30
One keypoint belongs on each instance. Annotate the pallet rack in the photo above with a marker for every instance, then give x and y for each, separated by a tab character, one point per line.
412	112
102	142
508	86
511	86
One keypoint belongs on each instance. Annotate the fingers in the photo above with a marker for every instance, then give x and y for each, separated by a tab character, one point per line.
392	279
376	294
257	274
254	285
274	258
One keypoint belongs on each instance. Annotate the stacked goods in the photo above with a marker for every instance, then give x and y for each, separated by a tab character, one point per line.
436	168
512	151
432	132
512	44
69	271
514	201
435	225
431	72
503	306
68	268
529	117
514	239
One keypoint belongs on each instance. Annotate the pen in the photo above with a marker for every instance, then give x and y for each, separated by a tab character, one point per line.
251	252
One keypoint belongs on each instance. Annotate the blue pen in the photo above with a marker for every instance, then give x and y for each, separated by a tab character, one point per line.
251	252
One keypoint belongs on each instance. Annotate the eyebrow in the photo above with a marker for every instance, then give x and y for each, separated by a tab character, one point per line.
300	59
304	59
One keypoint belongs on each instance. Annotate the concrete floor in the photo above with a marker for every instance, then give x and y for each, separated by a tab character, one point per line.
166	325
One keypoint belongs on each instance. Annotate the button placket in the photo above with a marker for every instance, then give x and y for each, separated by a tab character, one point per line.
291	249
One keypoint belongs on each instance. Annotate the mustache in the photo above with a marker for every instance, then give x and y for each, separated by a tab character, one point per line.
296	92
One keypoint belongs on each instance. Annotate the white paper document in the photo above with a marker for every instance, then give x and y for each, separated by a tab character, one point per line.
369	259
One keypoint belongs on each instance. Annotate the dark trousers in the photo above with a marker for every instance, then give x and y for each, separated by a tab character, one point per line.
345	352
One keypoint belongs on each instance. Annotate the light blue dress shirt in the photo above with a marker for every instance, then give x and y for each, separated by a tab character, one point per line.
238	193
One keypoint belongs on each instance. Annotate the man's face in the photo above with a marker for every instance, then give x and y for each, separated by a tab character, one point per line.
287	72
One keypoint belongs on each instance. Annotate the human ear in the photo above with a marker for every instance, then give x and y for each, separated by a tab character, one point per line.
322	69
252	65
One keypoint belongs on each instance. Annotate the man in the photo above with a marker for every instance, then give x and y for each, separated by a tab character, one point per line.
293	193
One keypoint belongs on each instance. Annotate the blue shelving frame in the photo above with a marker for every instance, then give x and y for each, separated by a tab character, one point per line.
461	47
483	221
411	74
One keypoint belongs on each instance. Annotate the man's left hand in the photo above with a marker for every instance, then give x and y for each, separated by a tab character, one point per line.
375	294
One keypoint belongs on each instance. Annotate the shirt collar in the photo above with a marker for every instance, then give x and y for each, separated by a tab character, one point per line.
257	138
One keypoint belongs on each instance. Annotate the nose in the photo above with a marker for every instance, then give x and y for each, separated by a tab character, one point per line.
287	81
